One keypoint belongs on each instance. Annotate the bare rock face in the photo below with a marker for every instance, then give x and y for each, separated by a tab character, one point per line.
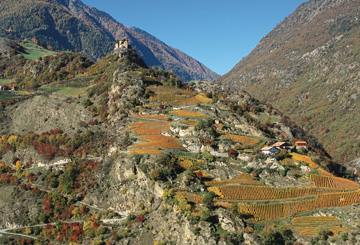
17	207
47	112
6	47
128	189
125	92
250	239
229	222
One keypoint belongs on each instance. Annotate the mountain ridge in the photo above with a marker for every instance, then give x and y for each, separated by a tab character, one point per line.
75	26
307	67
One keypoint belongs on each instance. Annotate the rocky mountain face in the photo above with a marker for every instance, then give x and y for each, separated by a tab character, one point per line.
71	25
308	67
114	152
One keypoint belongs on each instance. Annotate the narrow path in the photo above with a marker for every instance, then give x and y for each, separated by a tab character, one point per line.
93	207
5	231
16	234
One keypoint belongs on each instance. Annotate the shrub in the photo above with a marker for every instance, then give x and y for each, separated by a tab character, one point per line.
208	157
232	152
192	219
86	103
205	214
155	175
208	200
344	236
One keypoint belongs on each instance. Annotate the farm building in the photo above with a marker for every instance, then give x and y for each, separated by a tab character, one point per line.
269	150
282	145
300	143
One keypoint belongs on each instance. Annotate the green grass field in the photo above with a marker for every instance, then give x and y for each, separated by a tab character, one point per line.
4	81
74	87
9	95
69	91
274	119
33	51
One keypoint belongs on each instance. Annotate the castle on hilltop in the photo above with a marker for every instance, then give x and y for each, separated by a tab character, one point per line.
121	44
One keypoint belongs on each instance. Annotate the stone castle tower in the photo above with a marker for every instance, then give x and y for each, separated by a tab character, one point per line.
121	44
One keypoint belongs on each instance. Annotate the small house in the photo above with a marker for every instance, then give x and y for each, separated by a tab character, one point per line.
300	143
282	145
269	150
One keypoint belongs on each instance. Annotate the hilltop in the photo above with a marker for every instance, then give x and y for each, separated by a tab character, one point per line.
120	153
71	25
308	68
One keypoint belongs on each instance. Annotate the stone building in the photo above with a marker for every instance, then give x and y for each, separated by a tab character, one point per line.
121	44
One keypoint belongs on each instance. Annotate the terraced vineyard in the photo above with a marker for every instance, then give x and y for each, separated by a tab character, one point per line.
242	139
186	113
176	96
152	132
198	99
281	209
259	202
303	158
245	179
333	182
152	128
246	192
298	201
187	162
254	199
309	225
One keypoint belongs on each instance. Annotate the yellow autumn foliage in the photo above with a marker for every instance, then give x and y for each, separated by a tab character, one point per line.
186	113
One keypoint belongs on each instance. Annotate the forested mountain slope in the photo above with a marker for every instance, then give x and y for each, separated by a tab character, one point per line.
71	25
308	67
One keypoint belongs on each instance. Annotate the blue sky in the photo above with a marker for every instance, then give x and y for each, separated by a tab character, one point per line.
216	33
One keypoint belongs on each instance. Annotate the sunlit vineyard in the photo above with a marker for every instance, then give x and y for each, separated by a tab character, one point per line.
333	182
164	97
309	225
242	139
192	100
155	117
191	197
324	172
187	162
216	190
151	131
303	158
186	113
169	89
246	192
201	174
189	122
149	127
259	212
260	203
245	179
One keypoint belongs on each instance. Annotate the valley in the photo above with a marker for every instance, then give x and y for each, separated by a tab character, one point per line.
133	142
120	153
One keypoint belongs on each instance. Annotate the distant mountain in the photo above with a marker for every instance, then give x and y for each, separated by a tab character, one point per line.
308	67
71	25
